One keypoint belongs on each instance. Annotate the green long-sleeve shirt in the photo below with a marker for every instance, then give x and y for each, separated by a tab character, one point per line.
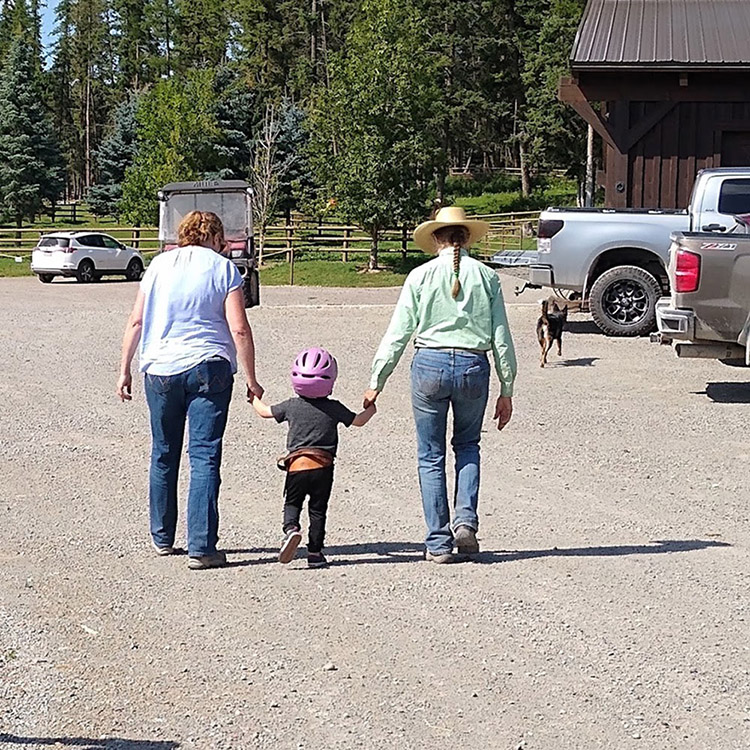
476	319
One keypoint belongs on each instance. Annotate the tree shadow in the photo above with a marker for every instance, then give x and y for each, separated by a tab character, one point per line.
727	393
650	548
110	743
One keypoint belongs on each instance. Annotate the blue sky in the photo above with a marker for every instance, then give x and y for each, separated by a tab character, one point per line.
48	23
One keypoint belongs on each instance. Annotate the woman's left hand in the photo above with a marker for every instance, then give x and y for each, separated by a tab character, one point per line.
124	385
369	398
503	411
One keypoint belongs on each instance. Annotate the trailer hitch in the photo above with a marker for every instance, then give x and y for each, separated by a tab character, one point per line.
526	286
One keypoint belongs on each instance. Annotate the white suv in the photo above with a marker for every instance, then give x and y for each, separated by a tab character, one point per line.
86	255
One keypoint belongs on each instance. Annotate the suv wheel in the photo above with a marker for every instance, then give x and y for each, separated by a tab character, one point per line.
134	271
46	278
86	272
623	301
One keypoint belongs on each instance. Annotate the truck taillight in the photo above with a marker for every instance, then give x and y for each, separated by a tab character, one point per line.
687	271
549	228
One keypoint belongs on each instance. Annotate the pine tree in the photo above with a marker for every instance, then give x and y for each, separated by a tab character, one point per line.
115	155
237	116
202	34
137	45
84	68
30	162
555	135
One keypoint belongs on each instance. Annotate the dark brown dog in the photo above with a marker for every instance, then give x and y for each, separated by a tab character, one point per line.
549	328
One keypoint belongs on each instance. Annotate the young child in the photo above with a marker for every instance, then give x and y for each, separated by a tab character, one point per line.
312	441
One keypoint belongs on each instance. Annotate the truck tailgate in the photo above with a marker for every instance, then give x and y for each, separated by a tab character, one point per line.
721	302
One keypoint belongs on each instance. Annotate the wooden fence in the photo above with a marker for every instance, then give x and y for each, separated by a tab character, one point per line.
300	236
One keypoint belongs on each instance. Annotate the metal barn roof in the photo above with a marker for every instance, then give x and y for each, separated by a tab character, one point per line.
663	34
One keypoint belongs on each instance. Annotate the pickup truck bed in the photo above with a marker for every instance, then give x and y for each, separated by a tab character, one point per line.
614	260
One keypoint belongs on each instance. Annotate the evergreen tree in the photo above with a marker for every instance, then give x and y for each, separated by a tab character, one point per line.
371	146
30	163
555	135
296	179
236	118
115	155
137	45
201	34
84	66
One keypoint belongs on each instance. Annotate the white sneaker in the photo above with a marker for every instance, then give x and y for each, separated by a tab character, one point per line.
288	550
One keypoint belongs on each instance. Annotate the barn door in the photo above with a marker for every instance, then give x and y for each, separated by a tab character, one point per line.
735	148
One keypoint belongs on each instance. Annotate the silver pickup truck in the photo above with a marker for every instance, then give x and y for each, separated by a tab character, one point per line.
708	312
614	261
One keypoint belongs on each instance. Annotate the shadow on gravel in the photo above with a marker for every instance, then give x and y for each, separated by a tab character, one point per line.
727	393
362	554
582	326
110	743
657	547
580	362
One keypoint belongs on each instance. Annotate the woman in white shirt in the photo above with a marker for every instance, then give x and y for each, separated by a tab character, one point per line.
189	318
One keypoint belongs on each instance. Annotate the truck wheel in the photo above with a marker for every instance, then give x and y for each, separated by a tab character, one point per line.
623	301
251	288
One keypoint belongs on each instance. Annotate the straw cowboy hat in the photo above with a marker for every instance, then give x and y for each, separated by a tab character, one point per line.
450	216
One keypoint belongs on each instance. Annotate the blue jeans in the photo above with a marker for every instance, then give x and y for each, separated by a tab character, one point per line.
461	380
201	396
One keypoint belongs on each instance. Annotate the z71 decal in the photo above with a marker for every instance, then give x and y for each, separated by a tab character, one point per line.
719	246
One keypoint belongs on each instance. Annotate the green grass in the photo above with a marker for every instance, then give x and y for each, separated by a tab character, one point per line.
315	271
8	267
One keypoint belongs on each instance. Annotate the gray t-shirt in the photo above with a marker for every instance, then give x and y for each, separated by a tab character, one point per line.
313	422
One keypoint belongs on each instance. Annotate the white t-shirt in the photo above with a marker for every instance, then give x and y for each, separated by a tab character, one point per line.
183	314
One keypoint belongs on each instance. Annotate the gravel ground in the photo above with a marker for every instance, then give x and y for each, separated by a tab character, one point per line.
608	608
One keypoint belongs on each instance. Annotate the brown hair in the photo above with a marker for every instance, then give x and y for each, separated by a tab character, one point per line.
201	228
457	236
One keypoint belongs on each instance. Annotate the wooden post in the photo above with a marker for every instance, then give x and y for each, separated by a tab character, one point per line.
74	212
345	253
289	244
589	187
291	267
404	241
136	238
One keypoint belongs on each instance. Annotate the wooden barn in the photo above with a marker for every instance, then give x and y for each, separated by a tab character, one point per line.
666	84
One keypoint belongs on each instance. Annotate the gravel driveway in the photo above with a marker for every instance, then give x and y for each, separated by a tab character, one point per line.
609	608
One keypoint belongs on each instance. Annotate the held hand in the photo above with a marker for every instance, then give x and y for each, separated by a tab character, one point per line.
370	397
254	390
124	386
503	411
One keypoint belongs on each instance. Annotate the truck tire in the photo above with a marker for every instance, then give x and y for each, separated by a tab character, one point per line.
623	301
251	288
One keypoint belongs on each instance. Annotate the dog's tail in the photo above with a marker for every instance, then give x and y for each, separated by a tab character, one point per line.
545	307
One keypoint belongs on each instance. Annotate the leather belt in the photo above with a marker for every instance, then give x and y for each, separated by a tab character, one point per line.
450	349
305	459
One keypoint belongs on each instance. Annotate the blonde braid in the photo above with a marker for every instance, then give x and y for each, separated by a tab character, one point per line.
456	268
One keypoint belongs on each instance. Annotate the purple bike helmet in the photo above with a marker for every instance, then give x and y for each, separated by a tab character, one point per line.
314	372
